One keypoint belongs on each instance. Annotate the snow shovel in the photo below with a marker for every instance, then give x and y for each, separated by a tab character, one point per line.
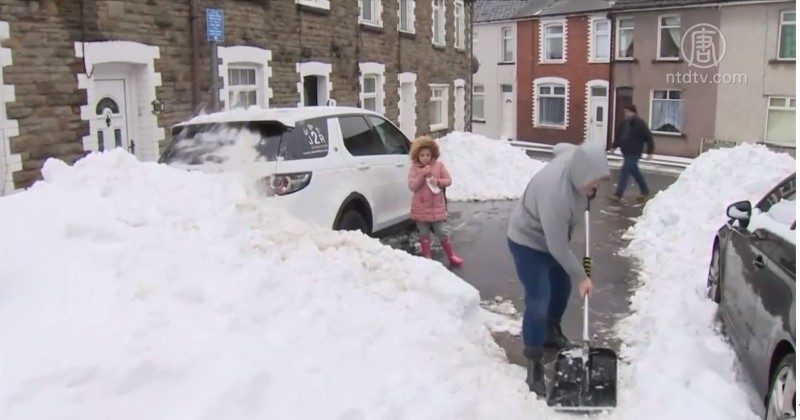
585	378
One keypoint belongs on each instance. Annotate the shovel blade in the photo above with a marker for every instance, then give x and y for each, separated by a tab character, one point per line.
584	385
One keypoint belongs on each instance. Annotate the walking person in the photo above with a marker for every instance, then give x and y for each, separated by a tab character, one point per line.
631	137
427	179
539	233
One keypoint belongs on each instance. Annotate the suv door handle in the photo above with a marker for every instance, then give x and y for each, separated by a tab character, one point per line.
758	262
363	168
399	165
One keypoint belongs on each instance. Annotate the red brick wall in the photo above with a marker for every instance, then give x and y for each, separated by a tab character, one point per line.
577	70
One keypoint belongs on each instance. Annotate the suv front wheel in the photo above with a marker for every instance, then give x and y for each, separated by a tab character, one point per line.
782	392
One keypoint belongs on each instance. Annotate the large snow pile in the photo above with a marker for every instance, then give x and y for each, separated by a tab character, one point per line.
486	169
680	365
134	290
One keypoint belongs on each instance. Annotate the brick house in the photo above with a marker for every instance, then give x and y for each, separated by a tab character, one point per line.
563	72
83	76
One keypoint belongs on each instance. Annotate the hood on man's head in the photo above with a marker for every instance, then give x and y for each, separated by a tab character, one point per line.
589	162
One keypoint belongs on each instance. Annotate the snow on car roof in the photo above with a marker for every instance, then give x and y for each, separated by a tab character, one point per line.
285	116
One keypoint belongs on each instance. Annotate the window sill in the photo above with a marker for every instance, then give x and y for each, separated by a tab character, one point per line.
407	34
506	63
550	127
782	61
370	27
599	61
672	135
441	47
317	10
626	60
440	127
668	61
479	121
461	49
553	62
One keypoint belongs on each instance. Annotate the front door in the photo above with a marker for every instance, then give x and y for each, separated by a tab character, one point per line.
111	112
598	115
408	114
508	117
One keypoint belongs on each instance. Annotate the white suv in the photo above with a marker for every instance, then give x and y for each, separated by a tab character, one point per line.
341	167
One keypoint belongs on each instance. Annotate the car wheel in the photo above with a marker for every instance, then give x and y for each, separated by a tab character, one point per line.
782	391
714	276
352	220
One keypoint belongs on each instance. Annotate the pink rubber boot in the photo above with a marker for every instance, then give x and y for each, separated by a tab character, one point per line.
455	260
425	244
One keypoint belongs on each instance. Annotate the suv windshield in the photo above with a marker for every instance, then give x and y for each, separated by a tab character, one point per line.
234	143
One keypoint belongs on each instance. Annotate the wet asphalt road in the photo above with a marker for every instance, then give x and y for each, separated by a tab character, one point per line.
479	234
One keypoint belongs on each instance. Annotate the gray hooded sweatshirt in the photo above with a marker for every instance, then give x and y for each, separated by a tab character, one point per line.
553	205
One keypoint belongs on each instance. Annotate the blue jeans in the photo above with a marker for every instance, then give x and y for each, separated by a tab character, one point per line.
630	167
547	287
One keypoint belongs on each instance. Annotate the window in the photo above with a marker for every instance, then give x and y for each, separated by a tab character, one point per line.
669	37
601	39
551	104
781	116
666	110
625	38
370	92
393	140
508	45
554	42
370	12
406	14
478	94
438	107
320	4
459	23
438	23
359	139
242	87
788	36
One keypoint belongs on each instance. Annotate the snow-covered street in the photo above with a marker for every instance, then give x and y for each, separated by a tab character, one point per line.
160	293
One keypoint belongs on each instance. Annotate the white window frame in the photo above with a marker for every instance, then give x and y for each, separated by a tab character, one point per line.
617	46
314	68
379	72
377	14
507	39
481	94
543	41
459	21
319	4
8	128
445	102
660	31
780	34
786	108
593	33
246	57
650	117
236	89
411	13
551	81
442	23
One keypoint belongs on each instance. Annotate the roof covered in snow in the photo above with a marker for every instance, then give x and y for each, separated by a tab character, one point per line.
500	10
285	116
656	4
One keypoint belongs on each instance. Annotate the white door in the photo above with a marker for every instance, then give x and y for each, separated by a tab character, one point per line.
459	112
408	115
509	115
598	115
111	112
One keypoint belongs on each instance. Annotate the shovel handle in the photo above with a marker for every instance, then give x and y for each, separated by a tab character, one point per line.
586	297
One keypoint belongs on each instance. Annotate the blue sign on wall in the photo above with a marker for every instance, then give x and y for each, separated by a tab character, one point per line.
215	25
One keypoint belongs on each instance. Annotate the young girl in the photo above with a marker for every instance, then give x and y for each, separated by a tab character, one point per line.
426	179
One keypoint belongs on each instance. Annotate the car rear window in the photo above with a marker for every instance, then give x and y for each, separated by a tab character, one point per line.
248	142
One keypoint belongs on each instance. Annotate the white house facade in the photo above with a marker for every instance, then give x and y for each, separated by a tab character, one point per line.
494	86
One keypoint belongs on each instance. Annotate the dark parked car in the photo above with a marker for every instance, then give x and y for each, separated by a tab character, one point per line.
752	278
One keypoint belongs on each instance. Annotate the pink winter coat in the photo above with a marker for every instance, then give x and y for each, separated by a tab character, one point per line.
425	205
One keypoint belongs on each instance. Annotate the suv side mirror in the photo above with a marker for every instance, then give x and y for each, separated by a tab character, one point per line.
741	212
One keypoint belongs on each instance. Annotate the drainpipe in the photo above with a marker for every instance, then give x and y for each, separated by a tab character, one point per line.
612	95
194	35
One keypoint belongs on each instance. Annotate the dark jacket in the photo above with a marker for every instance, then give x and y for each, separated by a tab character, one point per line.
631	137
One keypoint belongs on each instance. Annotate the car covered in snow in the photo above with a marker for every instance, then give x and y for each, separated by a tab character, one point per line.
752	278
341	167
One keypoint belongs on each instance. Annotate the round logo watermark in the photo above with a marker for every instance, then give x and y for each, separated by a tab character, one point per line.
704	44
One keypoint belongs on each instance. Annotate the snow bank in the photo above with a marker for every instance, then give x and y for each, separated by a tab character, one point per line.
486	169
679	364
134	290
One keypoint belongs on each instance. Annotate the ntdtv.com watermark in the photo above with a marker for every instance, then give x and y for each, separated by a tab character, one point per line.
693	77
